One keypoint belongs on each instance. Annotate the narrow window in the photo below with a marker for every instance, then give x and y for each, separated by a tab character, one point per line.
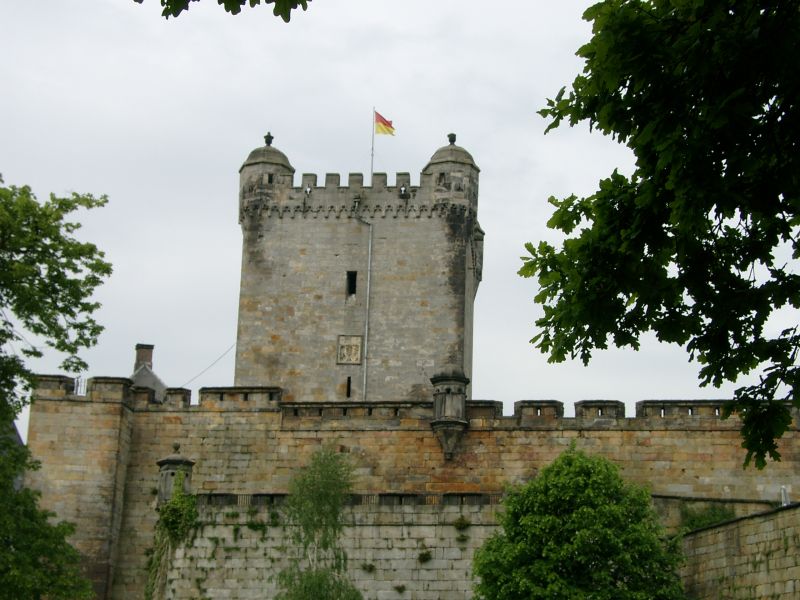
599	412
662	412
538	412
348	387
351	282
716	411
269	178
691	411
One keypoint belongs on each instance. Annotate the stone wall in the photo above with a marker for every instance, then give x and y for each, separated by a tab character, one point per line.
396	549
248	441
295	307
752	557
83	443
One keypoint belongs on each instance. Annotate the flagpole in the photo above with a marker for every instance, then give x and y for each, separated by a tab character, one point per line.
372	151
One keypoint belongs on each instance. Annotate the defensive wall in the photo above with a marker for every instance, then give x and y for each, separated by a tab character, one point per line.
247	442
755	556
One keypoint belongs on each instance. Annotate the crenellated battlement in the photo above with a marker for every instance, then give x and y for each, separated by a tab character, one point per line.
262	207
383	415
450	196
267	181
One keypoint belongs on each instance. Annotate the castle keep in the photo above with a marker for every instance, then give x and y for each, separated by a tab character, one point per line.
353	292
355	331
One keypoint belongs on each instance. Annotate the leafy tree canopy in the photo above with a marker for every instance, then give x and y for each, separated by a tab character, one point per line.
35	559
282	8
700	244
47	278
317	497
578	531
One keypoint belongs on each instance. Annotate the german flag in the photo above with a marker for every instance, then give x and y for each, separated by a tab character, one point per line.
383	125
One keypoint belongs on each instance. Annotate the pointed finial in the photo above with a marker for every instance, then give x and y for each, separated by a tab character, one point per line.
452	138
268	139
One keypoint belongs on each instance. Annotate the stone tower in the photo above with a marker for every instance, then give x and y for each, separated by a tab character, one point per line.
357	292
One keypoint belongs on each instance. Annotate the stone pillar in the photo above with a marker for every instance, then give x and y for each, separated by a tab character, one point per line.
449	409
169	467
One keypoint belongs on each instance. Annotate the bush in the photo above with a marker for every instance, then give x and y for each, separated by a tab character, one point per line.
578	531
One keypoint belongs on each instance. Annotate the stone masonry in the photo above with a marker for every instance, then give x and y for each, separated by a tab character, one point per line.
351	286
247	443
355	332
757	556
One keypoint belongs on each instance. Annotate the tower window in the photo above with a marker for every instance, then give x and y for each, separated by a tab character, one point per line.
270	178
348	387
352	276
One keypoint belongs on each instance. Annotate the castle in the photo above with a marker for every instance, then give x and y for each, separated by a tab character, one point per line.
355	331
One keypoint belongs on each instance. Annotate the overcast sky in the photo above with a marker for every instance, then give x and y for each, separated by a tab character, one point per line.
107	97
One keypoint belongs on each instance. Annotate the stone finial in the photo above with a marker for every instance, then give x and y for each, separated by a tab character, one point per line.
451	137
268	139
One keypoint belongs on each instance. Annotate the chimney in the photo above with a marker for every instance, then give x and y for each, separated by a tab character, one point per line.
144	356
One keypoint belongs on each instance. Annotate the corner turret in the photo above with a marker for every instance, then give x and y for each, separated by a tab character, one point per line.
265	177
453	174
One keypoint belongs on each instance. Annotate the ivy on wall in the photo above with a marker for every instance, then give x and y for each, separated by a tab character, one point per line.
177	518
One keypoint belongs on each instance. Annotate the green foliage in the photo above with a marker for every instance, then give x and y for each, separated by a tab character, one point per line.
368	567
282	8
177	517
35	559
697	518
462	523
315	584
700	244
47	278
578	531
424	557
314	508
257	525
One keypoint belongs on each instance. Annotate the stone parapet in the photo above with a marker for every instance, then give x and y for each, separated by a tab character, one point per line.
405	414
54	386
